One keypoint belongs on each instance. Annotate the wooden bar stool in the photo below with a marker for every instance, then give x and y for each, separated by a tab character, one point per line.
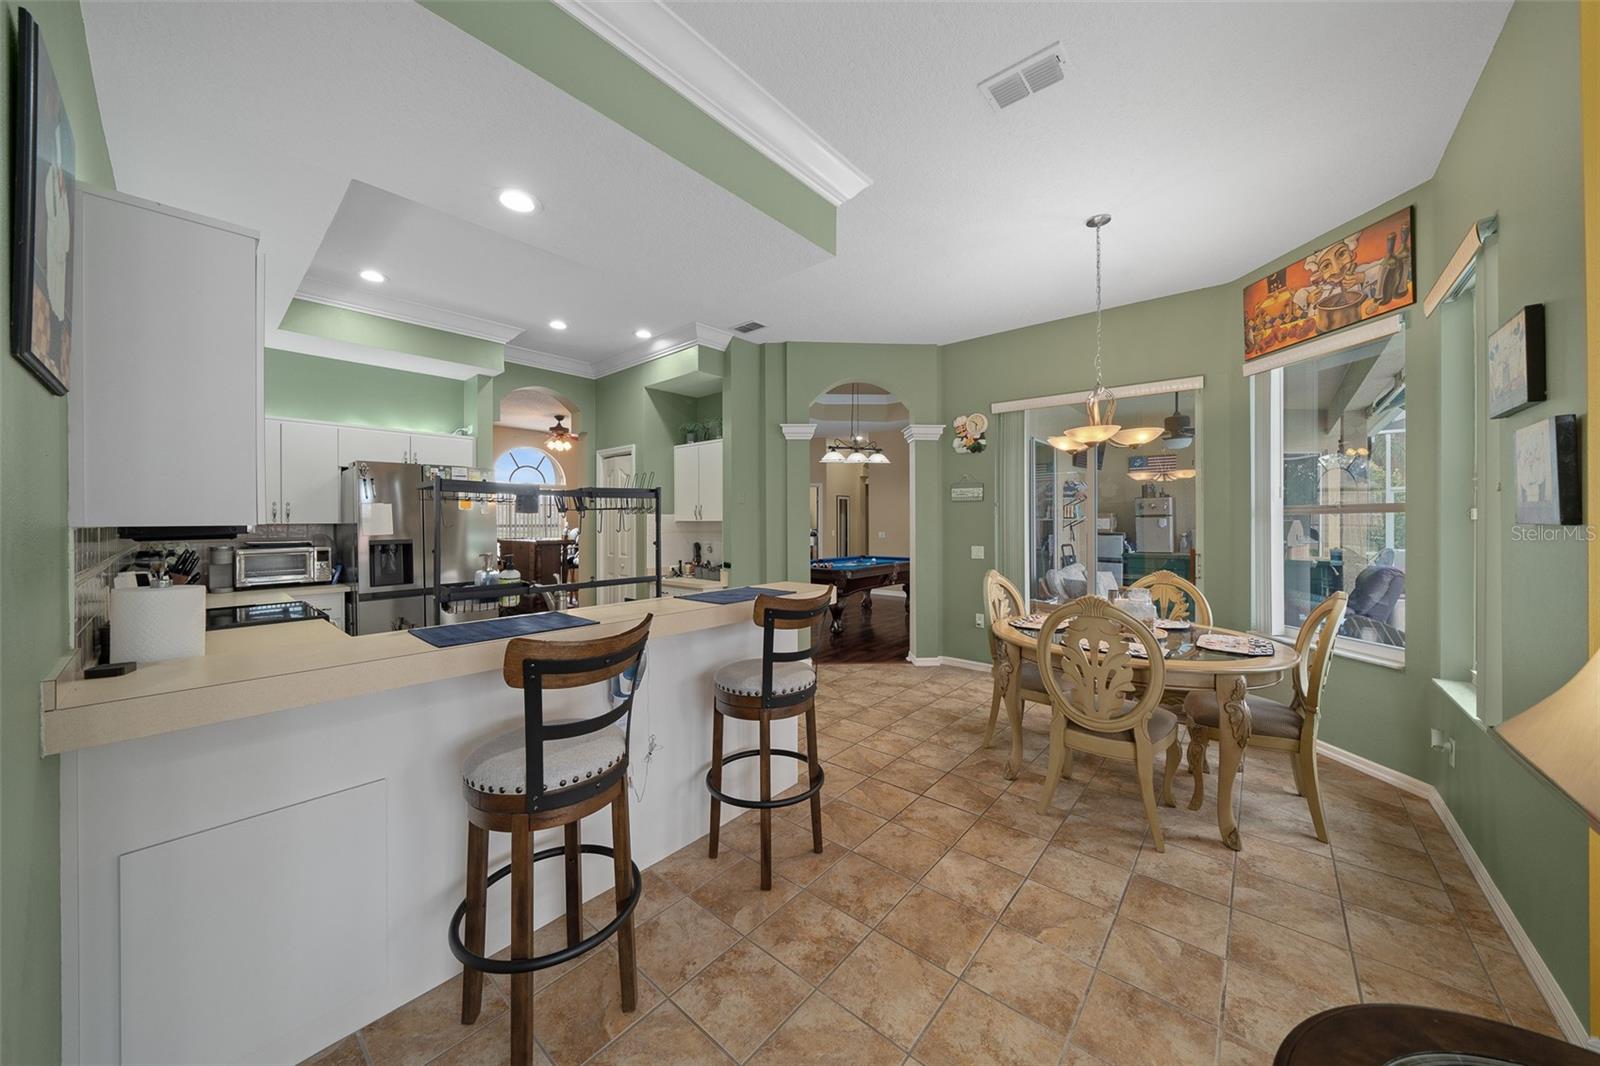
576	767
780	684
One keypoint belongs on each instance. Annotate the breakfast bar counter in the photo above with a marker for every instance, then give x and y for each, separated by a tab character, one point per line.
261	848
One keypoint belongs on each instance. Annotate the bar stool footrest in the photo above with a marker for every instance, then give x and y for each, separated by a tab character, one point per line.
554	958
760	805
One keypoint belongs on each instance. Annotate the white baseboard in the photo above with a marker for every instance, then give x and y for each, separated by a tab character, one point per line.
1554	997
948	660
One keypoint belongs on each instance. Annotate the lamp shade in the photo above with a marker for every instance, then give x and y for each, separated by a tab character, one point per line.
1560	738
1134	436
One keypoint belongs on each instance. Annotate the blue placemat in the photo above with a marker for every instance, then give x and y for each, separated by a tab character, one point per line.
521	625
736	595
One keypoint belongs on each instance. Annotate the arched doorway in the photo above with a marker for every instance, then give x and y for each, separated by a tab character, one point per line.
544	543
860	515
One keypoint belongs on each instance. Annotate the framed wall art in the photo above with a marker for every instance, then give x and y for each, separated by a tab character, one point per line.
1516	363
1545	468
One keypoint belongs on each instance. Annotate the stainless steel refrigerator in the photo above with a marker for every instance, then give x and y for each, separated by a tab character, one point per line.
386	544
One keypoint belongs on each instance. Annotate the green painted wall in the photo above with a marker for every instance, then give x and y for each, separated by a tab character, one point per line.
331	390
549	42
35	605
630	410
358	327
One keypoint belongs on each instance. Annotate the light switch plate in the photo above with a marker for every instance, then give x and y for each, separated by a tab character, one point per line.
977	551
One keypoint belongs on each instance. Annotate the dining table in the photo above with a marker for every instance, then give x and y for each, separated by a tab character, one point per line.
1189	668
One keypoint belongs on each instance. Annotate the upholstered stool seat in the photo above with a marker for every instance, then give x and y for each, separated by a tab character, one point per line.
743	678
500	764
1268	718
1163	723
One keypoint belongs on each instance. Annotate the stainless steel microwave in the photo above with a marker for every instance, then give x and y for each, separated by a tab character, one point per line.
289	563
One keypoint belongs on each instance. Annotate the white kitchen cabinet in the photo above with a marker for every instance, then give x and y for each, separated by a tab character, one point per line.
331	602
309	465
443	451
165	400
373	445
697	482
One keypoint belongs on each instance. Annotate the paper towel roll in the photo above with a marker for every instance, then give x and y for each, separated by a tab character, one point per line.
152	624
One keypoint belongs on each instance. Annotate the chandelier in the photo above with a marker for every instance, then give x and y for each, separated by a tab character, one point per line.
1101	403
558	438
1351	459
858	449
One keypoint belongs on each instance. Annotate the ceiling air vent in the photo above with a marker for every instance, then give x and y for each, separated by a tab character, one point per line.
749	327
1021	80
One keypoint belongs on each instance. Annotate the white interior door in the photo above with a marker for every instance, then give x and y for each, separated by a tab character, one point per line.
616	530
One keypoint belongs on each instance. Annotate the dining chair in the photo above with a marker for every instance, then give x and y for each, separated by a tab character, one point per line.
1176	598
1274	726
1001	599
1097	706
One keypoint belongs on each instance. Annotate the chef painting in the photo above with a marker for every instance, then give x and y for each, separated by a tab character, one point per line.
1360	276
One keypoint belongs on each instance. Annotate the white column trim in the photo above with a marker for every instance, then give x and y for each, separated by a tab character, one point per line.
924	431
798	430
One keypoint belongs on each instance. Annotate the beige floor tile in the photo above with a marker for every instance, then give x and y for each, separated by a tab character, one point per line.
1259	1009
1084	876
1233	1053
1064	921
998	843
934	754
848	729
1178	973
937	928
582	1012
809	936
663	1036
742	998
1288	864
792	856
911	776
889	742
1189	870
1395	861
846	824
1396	896
916	729
974	1028
1513	984
837	779
737	898
743	835
691	866
1322	969
427	1025
346	1052
822	1033
1022	814
1126	1027
906	852
1382	983
1117	844
1177	913
1479	919
1040	981
675	944
974	797
936	819
656	894
879	797
1288	904
890	988
862	760
488	1046
861	888
972	882
1440	952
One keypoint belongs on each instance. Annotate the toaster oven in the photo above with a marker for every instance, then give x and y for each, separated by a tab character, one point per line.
285	563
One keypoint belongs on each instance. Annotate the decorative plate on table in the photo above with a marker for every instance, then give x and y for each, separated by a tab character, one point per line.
1133	649
1173	623
1236	645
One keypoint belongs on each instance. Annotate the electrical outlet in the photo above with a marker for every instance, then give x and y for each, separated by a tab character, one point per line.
1439	742
977	620
977	551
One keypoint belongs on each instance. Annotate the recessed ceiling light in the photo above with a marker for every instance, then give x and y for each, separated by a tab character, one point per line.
517	200
556	323
377	277
642	334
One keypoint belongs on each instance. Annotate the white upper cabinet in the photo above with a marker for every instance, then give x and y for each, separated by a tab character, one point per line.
310	471
373	446
165	400
443	451
697	482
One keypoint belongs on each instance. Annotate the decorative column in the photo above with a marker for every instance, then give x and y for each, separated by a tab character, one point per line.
797	515
927	539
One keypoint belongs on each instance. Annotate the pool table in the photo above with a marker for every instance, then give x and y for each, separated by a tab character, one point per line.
850	574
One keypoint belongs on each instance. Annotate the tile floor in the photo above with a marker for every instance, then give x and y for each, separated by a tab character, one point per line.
947	921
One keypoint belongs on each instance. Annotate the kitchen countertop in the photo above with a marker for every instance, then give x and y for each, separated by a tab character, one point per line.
699	584
259	671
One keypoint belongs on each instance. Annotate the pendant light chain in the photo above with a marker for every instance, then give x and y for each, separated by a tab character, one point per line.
1098	317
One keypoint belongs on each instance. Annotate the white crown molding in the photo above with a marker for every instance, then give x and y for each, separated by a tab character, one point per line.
411	312
798	430
1121	392
651	35
323	347
1554	997
676	340
560	364
922	431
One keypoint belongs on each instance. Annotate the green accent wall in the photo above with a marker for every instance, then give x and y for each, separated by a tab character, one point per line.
559	49
35	602
355	394
358	327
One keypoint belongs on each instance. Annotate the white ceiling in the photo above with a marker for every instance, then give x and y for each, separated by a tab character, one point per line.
375	134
